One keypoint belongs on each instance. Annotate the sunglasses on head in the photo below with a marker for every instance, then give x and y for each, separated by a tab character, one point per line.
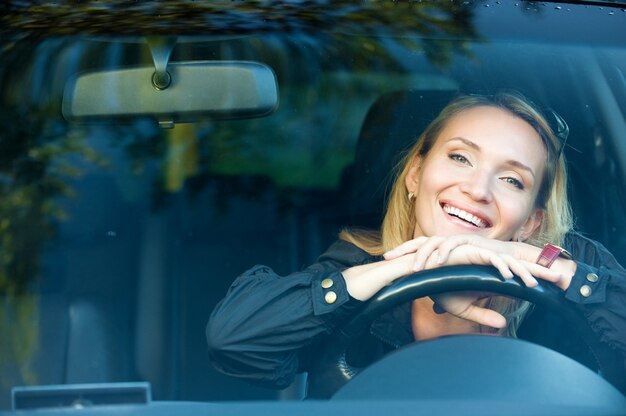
559	128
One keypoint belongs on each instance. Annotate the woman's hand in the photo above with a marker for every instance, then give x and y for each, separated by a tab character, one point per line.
508	257
425	246
469	306
365	280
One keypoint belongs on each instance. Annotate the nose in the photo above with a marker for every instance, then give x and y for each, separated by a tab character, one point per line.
478	187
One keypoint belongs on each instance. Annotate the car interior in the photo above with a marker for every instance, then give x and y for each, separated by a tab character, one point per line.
153	226
84	313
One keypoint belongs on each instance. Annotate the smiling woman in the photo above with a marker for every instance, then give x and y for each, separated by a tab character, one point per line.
482	160
488	170
151	151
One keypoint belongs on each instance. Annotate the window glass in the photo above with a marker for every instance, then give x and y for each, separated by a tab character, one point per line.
118	239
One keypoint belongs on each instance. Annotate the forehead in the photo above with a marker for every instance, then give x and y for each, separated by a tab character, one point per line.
489	118
497	133
491	125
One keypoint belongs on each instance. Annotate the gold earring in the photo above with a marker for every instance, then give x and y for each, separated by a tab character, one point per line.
411	195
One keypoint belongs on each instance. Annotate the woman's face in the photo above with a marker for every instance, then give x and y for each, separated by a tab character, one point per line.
481	176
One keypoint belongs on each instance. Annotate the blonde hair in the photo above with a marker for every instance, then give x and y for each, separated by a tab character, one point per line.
399	221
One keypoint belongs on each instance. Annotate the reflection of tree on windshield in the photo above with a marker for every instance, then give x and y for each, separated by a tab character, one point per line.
369	38
323	31
226	17
439	23
333	34
33	174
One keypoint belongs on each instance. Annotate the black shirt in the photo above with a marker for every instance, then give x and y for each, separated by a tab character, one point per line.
267	326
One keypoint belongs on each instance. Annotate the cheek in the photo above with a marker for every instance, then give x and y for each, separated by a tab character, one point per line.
428	190
425	209
514	213
435	177
422	212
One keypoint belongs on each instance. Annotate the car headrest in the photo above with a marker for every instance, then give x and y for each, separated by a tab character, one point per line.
392	124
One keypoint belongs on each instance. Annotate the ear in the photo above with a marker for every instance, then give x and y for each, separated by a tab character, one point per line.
411	180
531	224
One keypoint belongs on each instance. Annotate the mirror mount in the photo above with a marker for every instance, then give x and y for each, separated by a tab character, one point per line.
161	48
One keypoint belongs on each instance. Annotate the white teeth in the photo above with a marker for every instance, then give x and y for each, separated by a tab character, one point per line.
464	215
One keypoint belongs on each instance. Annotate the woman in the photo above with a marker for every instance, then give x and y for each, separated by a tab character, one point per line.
484	184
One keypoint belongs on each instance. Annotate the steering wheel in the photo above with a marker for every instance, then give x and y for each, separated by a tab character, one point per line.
332	371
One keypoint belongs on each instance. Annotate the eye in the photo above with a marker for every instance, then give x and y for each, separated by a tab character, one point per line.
515	182
458	158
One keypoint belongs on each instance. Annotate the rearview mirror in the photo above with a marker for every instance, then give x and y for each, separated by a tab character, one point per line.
197	90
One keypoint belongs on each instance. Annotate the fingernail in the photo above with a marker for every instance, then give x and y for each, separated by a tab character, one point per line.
438	309
389	253
439	259
417	266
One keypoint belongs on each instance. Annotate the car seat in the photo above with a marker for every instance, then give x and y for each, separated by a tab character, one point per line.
392	124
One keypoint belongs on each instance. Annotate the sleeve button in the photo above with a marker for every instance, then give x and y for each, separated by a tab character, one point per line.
592	277
585	290
327	283
330	297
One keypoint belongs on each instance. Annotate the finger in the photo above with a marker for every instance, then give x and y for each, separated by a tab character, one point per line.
410	246
425	251
488	257
543	273
448	245
520	268
530	272
499	263
484	316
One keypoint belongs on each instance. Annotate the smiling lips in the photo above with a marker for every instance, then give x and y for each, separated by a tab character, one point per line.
466	216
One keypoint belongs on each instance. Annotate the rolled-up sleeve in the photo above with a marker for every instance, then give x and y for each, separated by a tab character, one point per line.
599	289
589	284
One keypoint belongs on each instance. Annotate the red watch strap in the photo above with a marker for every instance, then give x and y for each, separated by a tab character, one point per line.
549	254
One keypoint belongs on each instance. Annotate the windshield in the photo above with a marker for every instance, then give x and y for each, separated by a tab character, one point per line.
119	235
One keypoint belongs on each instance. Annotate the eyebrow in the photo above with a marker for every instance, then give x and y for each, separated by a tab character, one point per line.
512	162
